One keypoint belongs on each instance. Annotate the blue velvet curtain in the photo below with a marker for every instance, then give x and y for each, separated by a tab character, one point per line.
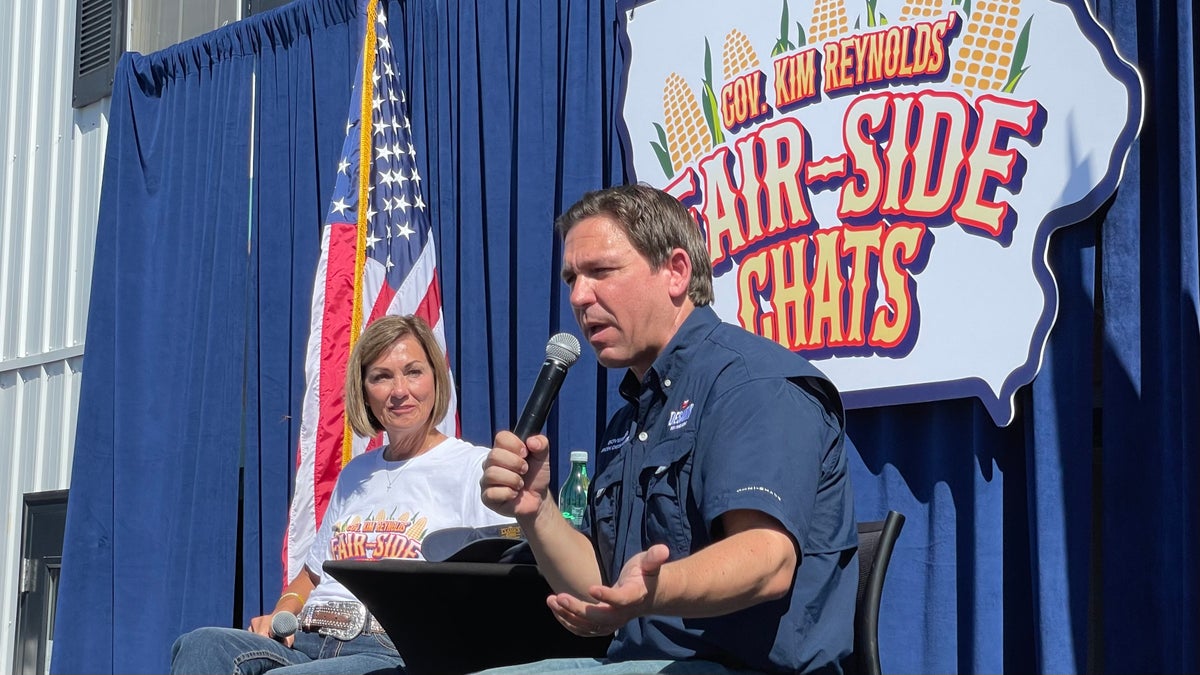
221	153
1066	542
155	477
515	103
1149	525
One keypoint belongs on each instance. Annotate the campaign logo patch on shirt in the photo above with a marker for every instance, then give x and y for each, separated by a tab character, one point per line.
678	418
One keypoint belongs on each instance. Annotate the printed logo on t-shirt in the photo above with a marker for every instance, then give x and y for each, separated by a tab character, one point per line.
678	418
378	536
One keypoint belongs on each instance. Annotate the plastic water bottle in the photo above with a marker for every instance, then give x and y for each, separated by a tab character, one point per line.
572	497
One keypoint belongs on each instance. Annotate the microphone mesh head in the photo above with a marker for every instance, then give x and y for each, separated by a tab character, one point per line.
284	624
563	347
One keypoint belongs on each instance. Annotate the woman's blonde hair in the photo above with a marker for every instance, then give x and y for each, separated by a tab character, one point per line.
379	337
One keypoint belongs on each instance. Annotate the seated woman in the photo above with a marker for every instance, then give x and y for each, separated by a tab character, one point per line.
382	506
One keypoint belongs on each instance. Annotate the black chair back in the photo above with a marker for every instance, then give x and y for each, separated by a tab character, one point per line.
876	539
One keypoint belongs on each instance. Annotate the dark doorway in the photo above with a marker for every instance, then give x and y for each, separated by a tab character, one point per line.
43	524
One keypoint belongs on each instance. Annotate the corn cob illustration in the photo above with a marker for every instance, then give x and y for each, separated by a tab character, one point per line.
737	54
417	531
918	10
687	135
828	20
991	57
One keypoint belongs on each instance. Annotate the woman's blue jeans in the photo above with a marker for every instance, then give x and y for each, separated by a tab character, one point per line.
217	651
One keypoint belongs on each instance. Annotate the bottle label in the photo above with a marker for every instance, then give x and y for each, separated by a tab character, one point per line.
576	516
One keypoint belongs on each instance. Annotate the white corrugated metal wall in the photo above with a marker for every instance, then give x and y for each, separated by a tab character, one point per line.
49	194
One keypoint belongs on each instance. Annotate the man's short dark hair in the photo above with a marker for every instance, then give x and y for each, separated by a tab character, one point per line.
655	223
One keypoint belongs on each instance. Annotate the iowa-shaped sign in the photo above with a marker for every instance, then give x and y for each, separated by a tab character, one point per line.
878	180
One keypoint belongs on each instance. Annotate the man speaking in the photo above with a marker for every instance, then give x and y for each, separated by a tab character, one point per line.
720	535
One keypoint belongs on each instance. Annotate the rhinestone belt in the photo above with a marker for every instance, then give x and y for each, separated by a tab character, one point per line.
343	619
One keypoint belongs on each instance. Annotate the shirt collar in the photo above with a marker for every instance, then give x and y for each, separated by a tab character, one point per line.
675	356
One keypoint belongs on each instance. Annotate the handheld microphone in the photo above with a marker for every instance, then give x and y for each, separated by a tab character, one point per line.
561	353
284	625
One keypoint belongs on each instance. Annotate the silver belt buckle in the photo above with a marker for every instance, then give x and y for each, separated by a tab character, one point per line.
355	616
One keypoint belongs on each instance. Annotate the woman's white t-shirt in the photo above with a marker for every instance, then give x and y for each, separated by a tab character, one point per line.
381	509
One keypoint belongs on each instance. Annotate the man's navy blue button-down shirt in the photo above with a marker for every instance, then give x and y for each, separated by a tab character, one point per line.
727	420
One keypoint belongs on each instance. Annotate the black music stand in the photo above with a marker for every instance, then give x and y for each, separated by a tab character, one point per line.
448	618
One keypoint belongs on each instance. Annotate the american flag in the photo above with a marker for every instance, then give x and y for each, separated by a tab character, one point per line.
374	261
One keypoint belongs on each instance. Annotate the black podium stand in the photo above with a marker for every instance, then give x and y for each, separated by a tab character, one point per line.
450	618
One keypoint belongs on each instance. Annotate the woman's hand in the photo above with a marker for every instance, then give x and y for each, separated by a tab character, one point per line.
262	626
